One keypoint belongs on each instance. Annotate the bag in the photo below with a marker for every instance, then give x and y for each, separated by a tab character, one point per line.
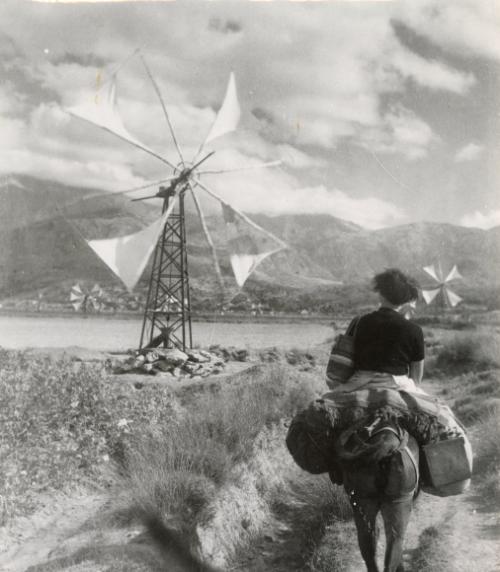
447	467
341	363
310	437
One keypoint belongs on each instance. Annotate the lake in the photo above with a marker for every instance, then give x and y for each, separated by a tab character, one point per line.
113	334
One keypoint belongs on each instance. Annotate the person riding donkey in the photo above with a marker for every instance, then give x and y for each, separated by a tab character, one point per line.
388	350
376	431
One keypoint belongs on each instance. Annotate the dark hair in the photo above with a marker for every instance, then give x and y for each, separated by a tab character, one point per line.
396	287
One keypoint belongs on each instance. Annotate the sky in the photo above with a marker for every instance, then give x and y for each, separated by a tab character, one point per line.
381	113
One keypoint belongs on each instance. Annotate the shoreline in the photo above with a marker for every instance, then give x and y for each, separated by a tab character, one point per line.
195	317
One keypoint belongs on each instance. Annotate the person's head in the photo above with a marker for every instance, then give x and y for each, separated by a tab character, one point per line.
396	287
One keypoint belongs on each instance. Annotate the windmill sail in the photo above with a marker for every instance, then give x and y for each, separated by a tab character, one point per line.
77	297
453	274
429	295
229	114
431	271
452	298
127	256
103	112
247	246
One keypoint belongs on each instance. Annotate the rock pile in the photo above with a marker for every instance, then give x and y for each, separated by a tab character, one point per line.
173	362
304	361
231	353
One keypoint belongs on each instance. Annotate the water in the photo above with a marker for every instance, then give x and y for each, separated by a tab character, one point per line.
115	334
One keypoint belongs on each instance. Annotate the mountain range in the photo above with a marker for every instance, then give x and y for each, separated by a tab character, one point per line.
43	225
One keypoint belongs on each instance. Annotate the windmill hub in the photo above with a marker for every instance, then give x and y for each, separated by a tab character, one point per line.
183	168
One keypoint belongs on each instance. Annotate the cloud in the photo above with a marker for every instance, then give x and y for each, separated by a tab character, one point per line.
224	26
275	191
93	174
49	145
84	60
402	133
8	102
479	220
324	80
432	74
466	26
469	152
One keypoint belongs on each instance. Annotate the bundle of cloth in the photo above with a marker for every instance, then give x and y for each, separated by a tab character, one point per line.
314	431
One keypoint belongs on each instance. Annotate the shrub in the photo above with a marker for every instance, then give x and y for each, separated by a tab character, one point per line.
54	423
204	445
488	446
62	422
469	352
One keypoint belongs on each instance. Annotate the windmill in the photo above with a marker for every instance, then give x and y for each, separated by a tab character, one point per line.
441	291
85	299
167	314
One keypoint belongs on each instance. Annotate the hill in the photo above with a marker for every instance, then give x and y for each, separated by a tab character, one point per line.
43	223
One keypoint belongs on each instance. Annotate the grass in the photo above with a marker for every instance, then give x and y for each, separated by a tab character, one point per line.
332	549
67	423
53	426
328	509
474	396
468	365
179	466
468	352
487	459
305	507
431	554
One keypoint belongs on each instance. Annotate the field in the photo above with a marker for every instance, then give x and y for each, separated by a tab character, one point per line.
87	455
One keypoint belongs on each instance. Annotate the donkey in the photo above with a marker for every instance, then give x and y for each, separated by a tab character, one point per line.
379	467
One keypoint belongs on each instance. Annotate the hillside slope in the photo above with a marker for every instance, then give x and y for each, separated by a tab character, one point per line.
42	225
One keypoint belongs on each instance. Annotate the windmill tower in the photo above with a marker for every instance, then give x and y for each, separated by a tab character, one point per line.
440	292
167	315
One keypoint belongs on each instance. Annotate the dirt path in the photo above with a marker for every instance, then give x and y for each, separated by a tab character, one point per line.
469	531
29	541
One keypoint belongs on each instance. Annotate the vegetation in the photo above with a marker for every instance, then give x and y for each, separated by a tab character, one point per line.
431	554
66	423
55	426
469	352
178	467
487	460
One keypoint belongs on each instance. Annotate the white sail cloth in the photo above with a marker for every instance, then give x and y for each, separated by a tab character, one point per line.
229	114
127	256
247	246
102	111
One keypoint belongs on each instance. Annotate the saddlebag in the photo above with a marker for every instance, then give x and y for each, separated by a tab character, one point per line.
446	467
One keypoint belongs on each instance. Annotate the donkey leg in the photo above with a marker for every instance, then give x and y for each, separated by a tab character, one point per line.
365	513
396	514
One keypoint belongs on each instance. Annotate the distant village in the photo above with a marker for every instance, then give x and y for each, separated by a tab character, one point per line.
112	300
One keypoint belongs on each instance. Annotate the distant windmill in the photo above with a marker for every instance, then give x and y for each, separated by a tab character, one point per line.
85	300
441	290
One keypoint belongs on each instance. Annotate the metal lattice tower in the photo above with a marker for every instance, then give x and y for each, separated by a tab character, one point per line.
167	316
